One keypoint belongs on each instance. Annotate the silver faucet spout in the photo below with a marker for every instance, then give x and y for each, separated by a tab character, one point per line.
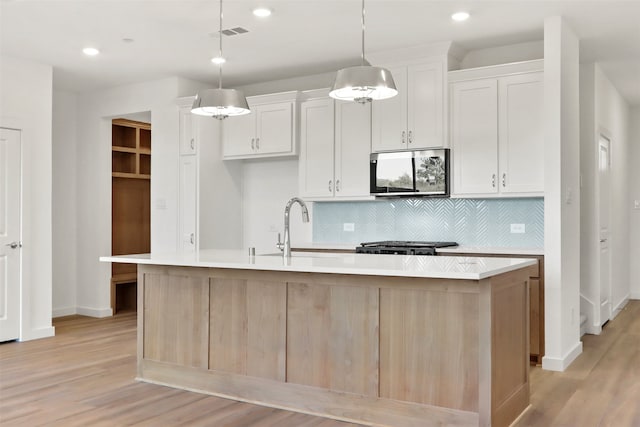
287	234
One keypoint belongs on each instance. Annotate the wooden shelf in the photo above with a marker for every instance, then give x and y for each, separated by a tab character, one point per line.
131	205
130	175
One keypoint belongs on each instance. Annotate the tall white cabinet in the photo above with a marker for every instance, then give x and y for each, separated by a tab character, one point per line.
497	132
335	147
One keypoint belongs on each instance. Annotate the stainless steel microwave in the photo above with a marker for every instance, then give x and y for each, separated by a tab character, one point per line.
410	173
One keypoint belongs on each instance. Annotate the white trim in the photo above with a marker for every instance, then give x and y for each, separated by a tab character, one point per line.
634	295
556	364
618	308
63	311
36	334
593	328
94	312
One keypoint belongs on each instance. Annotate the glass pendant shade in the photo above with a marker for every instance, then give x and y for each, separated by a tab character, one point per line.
220	103
363	83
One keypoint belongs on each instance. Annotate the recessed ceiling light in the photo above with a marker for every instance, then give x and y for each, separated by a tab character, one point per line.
262	12
90	51
128	40
218	60
460	16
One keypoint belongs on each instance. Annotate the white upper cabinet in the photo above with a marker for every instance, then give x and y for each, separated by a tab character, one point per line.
270	130
316	148
497	132
334	151
413	119
521	133
474	136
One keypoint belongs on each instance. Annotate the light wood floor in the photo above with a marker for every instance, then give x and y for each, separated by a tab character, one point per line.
84	376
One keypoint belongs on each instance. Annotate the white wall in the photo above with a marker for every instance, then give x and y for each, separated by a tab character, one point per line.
562	195
95	111
219	190
26	104
64	196
634	194
603	111
267	186
503	54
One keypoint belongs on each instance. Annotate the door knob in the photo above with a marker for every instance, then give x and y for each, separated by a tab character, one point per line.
14	245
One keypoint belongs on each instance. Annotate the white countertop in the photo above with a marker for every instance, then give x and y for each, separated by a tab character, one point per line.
445	267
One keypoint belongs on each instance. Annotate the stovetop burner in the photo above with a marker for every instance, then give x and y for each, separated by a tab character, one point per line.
402	247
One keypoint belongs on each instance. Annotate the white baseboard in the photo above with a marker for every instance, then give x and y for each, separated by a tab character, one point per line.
618	308
64	311
36	334
94	312
560	364
634	295
594	329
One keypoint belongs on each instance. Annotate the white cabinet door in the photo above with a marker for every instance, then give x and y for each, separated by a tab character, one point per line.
425	104
188	203
274	128
474	136
389	117
316	148
10	218
188	131
239	135
353	148
521	135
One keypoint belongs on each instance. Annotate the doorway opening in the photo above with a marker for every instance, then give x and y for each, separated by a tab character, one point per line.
604	230
130	203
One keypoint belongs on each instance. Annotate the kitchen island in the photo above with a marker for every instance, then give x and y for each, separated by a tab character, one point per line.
375	339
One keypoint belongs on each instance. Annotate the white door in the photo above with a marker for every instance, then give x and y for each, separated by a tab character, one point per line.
274	128
10	176
353	146
521	146
425	104
316	148
604	200
474	136
389	123
188	203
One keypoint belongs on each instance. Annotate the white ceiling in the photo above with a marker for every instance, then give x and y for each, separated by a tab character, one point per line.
302	37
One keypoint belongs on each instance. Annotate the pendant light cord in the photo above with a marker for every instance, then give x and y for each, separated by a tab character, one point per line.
220	35
363	60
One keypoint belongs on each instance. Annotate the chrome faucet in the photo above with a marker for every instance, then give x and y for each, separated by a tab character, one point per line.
285	246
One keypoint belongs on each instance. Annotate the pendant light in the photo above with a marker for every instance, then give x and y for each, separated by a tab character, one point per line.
363	83
220	103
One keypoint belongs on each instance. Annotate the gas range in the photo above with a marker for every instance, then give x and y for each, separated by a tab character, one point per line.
399	247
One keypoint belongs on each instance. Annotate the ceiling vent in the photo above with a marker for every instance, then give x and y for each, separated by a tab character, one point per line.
230	32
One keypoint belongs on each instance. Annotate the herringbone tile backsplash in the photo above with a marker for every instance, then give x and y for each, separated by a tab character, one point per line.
470	222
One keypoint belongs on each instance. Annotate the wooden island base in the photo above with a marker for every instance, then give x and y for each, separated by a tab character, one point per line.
376	350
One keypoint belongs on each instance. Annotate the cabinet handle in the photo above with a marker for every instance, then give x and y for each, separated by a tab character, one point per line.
192	238
192	144
330	188
338	185
253	143
493	180
404	134
257	143
504	180
410	137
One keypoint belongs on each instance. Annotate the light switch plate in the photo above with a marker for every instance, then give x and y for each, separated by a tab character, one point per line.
348	226
518	228
636	204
